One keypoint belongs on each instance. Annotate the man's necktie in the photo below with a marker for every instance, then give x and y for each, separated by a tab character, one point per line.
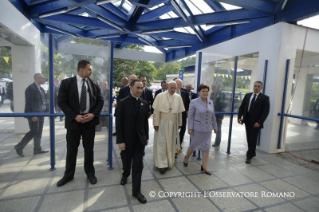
252	103
83	97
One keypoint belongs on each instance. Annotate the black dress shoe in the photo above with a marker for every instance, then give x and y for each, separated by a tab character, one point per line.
140	198
114	133
206	172
40	152
92	179
19	151
185	164
162	170
214	145
248	160
63	181
123	180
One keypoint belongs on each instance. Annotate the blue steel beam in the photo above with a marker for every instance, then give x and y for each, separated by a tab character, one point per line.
64	27
46	7
136	11
216	6
296	10
177	36
110	7
72	19
108	15
152	3
216	17
100	32
259	5
221	35
186	13
167	43
155	13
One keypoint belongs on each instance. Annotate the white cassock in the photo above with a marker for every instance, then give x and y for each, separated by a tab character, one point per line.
167	116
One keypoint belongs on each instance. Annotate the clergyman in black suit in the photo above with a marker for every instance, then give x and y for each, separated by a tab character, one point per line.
253	111
132	135
147	95
35	102
186	102
81	101
163	89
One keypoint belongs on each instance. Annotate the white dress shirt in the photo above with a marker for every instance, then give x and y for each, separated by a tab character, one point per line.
79	83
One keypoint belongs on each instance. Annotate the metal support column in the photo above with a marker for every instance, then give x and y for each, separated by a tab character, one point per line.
232	107
51	90
283	104
264	92
110	162
199	65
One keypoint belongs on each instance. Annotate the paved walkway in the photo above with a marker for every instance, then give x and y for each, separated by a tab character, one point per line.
26	184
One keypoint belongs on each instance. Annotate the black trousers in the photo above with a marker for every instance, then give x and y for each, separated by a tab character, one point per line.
251	135
34	133
182	130
135	152
73	141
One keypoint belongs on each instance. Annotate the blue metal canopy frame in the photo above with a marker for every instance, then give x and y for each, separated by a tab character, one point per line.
96	18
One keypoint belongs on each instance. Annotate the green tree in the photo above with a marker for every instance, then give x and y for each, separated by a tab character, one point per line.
158	64
190	61
168	68
5	67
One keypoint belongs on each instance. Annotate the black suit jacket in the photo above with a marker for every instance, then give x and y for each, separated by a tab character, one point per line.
68	101
33	99
129	125
158	92
260	109
124	92
193	96
147	95
186	102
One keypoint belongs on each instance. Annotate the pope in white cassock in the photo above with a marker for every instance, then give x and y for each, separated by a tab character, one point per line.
167	119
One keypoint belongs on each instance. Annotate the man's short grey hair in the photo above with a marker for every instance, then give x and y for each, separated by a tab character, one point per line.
178	80
37	75
171	82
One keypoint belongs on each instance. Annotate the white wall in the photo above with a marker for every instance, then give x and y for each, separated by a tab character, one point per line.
275	43
26	60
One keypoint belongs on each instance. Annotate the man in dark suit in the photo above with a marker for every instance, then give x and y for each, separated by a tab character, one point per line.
316	113
190	94
124	92
186	102
35	102
147	95
218	98
254	109
164	88
81	101
124	82
132	129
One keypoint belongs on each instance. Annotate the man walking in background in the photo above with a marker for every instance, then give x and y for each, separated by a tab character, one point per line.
218	99
147	95
35	102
